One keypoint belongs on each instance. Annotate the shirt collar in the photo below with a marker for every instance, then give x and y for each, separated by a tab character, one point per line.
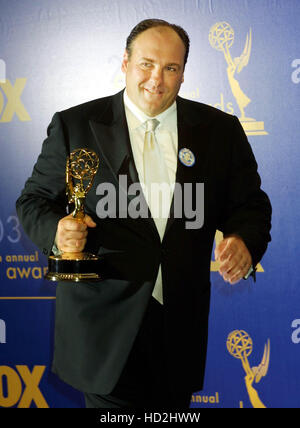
167	119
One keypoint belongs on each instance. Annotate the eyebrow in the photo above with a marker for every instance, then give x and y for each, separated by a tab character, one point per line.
151	60
147	59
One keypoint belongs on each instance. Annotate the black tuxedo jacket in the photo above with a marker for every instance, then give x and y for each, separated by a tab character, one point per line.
96	323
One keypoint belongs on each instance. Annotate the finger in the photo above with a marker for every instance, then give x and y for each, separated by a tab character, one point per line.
220	248
233	265
89	221
65	236
235	280
73	246
73	224
75	235
236	277
238	272
229	251
238	268
237	263
230	276
230	262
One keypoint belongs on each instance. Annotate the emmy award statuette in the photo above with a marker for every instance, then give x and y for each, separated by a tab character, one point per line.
81	167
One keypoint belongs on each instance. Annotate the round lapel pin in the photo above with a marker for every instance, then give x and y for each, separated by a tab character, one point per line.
187	157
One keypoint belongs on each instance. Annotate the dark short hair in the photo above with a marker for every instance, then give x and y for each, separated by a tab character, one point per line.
151	23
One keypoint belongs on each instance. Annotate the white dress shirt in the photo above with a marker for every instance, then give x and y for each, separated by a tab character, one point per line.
167	138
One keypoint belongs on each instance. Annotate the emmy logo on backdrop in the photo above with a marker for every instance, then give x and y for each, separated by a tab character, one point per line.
240	345
81	167
221	37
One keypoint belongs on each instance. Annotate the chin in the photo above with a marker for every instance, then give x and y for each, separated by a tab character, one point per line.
152	110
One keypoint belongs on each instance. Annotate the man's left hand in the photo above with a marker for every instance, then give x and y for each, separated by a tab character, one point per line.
234	257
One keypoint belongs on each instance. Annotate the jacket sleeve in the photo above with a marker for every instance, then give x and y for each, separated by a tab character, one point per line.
43	200
248	209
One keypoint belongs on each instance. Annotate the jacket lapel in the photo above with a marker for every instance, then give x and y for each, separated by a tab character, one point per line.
111	134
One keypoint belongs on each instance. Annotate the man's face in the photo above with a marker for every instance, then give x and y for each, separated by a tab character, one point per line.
154	71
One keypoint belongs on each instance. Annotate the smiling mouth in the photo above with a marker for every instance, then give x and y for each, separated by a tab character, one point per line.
153	92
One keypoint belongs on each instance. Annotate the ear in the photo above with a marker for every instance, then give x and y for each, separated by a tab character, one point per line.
125	62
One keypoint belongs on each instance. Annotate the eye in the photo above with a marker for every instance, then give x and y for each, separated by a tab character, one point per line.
172	69
146	65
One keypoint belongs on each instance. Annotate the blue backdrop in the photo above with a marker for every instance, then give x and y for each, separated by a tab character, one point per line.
244	59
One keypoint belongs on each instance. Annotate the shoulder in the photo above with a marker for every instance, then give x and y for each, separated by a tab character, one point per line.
93	109
196	112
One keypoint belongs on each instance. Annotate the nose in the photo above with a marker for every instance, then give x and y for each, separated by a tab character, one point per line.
156	78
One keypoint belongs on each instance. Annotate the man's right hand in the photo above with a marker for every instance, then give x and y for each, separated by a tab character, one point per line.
71	233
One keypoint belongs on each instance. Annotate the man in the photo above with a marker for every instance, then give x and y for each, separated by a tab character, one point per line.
128	340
